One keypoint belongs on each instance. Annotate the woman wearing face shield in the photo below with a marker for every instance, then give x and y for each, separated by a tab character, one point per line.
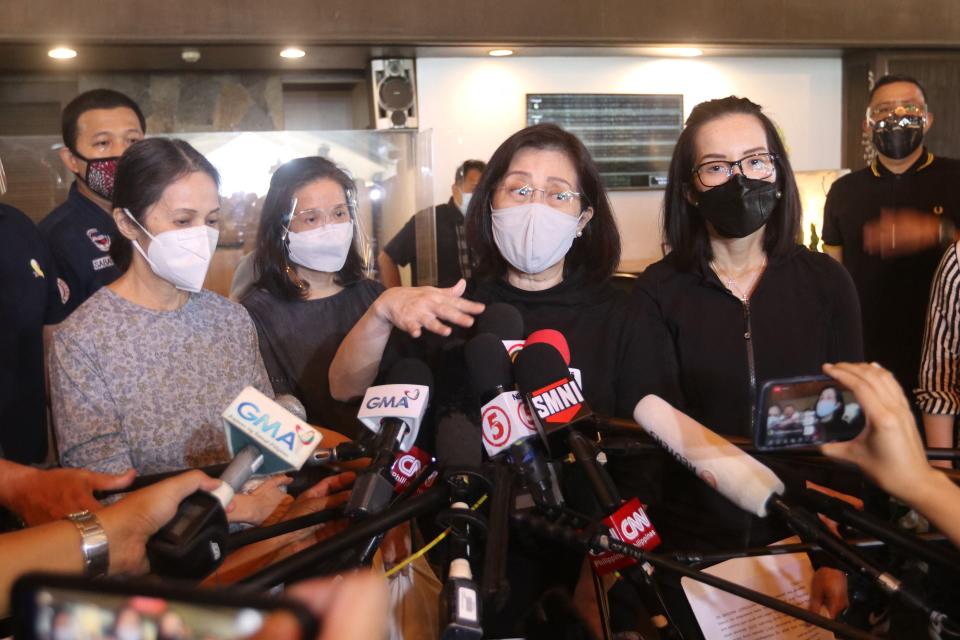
141	372
742	301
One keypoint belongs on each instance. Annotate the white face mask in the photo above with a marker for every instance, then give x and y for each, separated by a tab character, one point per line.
180	256
533	236
465	202
322	249
825	408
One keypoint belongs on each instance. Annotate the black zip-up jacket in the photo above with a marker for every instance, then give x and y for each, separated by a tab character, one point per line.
803	312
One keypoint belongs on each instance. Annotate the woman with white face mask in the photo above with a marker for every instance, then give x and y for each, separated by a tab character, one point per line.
141	372
545	241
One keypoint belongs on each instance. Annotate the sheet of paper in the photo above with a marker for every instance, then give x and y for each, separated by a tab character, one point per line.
724	616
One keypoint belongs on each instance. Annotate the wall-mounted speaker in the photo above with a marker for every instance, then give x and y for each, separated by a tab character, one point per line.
394	85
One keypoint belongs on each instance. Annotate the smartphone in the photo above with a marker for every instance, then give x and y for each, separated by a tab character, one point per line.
805	411
51	607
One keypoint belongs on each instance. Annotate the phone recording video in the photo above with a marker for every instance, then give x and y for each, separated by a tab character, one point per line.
67	608
805	411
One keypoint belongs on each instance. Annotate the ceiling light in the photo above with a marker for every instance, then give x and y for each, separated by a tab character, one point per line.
673	52
292	52
62	53
190	56
500	53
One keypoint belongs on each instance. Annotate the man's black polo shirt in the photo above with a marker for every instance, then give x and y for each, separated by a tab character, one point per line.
402	249
79	234
29	298
893	291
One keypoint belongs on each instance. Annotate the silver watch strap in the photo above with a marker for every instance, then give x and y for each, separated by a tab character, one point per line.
93	543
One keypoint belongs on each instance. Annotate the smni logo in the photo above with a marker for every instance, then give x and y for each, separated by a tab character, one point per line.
251	413
558	402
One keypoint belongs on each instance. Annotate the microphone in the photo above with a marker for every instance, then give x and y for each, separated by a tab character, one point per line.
735	475
753	487
552	393
460	601
393	412
557	340
506	424
505	322
262	436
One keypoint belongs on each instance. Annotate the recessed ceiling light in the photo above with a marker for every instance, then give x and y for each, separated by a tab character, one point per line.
673	52
62	53
500	53
292	52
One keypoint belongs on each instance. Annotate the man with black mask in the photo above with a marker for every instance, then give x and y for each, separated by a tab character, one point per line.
97	127
887	222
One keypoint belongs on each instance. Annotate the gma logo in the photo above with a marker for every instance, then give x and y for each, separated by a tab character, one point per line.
251	413
394	401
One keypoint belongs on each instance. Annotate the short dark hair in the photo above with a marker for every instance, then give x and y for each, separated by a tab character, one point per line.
271	260
144	171
684	226
890	78
597	252
88	101
467	167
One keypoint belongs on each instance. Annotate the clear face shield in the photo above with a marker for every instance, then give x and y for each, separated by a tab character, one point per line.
3	179
318	218
898	128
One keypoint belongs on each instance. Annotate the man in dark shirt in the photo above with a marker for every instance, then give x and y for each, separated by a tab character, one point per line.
98	126
452	253
29	299
885	222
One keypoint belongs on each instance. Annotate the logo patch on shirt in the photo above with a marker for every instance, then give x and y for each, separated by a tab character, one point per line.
37	271
102	263
100	240
64	290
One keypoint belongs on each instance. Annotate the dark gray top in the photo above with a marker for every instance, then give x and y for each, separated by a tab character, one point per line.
134	387
298	339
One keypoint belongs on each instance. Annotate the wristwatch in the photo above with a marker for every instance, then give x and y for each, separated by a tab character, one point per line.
93	543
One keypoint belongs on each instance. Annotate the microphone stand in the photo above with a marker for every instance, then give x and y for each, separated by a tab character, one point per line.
603	542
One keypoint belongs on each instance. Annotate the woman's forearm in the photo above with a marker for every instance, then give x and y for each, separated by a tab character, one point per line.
50	547
355	366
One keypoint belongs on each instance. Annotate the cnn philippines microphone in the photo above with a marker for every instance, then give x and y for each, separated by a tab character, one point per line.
393	412
753	487
506	423
262	436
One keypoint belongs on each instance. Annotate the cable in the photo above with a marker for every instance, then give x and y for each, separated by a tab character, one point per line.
430	545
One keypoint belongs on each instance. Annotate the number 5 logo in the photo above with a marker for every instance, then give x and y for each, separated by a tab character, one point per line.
496	426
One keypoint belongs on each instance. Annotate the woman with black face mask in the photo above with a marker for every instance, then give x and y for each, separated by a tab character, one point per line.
743	302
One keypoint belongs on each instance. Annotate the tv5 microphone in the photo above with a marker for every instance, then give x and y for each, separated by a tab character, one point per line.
393	412
263	437
505	322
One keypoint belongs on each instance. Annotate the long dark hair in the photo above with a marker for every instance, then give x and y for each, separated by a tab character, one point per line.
144	171
597	252
271	259
685	228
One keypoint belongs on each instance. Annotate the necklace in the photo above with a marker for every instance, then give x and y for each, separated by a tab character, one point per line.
731	284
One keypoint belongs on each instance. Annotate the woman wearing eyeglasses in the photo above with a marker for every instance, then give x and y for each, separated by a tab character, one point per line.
312	259
545	241
743	302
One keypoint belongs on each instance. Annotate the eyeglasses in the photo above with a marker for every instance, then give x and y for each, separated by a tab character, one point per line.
560	199
717	172
897	114
318	217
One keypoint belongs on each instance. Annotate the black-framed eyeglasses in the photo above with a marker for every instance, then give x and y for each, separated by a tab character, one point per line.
756	166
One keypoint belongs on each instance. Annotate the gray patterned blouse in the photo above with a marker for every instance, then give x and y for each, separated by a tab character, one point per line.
134	387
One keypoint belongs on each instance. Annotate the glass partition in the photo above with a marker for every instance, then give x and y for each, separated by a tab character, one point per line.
393	171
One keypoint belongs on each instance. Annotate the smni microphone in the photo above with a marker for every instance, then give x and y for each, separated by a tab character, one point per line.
553	394
393	412
262	436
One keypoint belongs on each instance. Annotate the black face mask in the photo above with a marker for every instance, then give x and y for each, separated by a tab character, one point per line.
897	142
739	206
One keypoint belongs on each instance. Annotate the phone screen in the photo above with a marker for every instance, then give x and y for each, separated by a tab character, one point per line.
806	411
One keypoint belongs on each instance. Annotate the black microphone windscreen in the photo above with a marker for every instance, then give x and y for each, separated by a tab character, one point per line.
292	404
458	442
537	366
410	371
488	363
502	320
